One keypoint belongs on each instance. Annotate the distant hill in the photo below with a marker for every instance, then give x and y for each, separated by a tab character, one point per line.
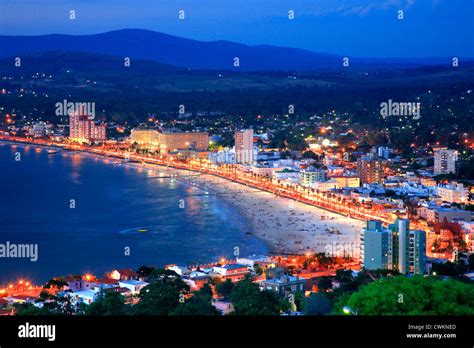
187	53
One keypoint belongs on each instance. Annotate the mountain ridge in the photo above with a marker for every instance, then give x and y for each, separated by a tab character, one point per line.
188	53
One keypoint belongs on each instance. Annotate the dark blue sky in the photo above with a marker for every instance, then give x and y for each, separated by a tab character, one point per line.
365	28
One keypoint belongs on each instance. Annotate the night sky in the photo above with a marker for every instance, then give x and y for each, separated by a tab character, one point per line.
363	28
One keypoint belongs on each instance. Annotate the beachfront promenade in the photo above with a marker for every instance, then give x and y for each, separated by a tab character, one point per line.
325	200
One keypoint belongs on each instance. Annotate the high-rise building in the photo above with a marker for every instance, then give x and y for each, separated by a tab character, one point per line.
244	146
83	129
396	247
146	138
376	246
445	161
370	170
175	141
168	142
312	175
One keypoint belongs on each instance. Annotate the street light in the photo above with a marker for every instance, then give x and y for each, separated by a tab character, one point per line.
348	310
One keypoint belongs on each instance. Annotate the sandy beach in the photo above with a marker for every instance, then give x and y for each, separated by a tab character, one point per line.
286	226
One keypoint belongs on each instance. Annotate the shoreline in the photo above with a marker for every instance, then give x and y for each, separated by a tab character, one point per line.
285	226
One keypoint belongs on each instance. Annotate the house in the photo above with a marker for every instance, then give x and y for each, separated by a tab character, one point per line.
85	296
233	271
224	307
123	274
122	291
19	299
438	214
133	285
180	270
74	282
196	282
284	285
253	260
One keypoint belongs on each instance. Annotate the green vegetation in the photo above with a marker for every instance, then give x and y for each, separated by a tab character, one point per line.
198	304
417	295
161	297
110	303
224	289
317	304
249	300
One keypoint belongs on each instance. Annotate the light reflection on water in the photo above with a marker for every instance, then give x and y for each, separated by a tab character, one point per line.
109	199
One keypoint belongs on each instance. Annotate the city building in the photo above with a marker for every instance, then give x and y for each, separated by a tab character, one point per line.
445	161
84	130
177	141
311	175
244	152
411	247
370	170
376	246
347	181
396	247
180	270
233	271
325	185
172	142
285	174
145	138
438	214
133	285
453	193
383	152
284	285
254	260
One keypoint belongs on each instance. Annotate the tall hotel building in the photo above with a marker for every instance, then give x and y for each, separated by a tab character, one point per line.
83	130
370	170
396	247
173	142
244	146
445	161
169	142
145	138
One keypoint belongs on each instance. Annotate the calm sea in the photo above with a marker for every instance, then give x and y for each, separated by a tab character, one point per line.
117	206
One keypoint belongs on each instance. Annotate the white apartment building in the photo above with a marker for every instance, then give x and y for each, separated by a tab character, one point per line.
309	176
453	193
244	152
445	161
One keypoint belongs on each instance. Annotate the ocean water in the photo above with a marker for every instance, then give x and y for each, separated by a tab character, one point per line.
118	207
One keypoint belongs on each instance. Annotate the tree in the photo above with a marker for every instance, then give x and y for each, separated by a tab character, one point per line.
160	297
111	303
249	300
29	309
58	283
417	295
146	271
317	304
471	261
224	289
163	275
310	154
324	283
344	275
199	304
